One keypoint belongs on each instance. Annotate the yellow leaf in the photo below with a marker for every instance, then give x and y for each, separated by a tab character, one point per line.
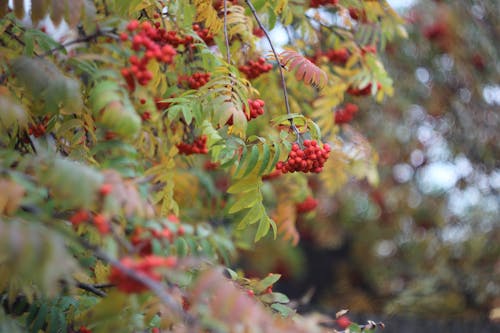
101	272
11	195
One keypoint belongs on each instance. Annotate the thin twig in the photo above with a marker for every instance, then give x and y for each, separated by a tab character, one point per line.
226	37
84	39
15	37
106	10
280	66
90	288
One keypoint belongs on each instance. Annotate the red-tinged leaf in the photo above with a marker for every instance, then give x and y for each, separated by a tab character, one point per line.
305	69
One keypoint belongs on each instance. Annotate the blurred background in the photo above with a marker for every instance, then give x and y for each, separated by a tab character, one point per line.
426	241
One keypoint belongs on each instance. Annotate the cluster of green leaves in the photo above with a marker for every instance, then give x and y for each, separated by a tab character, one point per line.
79	140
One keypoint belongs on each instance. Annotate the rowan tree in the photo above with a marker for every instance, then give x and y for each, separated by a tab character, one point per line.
139	154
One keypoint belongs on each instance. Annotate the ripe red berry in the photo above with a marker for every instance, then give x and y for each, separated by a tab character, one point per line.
123	37
343	322
102	224
253	69
79	217
106	189
197	147
308	205
132	25
318	3
310	159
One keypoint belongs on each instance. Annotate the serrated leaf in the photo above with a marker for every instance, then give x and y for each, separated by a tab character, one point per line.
252	216
247	200
265	157
244	185
252	160
277	152
263	229
305	70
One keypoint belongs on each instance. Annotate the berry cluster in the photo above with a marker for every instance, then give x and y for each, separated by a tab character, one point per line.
345	114
199	146
256	109
362	91
37	130
141	238
253	69
144	266
318	3
435	31
175	40
339	56
308	205
204	34
154	44
99	220
195	81
310	159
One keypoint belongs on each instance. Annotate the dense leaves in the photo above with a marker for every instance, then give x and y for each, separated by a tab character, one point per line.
154	142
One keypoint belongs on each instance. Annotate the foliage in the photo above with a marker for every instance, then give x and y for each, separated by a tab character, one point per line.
136	160
421	241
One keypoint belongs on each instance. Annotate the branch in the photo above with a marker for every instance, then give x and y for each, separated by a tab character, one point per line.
226	38
83	39
154	286
90	288
280	66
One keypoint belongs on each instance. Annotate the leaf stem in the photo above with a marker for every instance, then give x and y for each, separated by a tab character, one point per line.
280	66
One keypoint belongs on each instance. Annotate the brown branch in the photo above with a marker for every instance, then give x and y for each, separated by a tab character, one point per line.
154	286
84	39
280	66
90	288
226	38
15	37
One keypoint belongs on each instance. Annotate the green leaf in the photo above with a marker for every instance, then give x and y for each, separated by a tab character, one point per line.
188	116
181	247
263	228
267	282
277	152
244	185
265	157
247	200
40	319
251	216
252	160
284	310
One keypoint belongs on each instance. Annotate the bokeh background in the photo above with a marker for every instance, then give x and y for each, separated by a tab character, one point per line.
426	241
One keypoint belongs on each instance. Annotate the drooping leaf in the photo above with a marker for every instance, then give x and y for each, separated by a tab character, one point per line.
304	69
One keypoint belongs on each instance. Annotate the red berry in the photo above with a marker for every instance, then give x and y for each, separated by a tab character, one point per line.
101	223
123	37
106	189
343	322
